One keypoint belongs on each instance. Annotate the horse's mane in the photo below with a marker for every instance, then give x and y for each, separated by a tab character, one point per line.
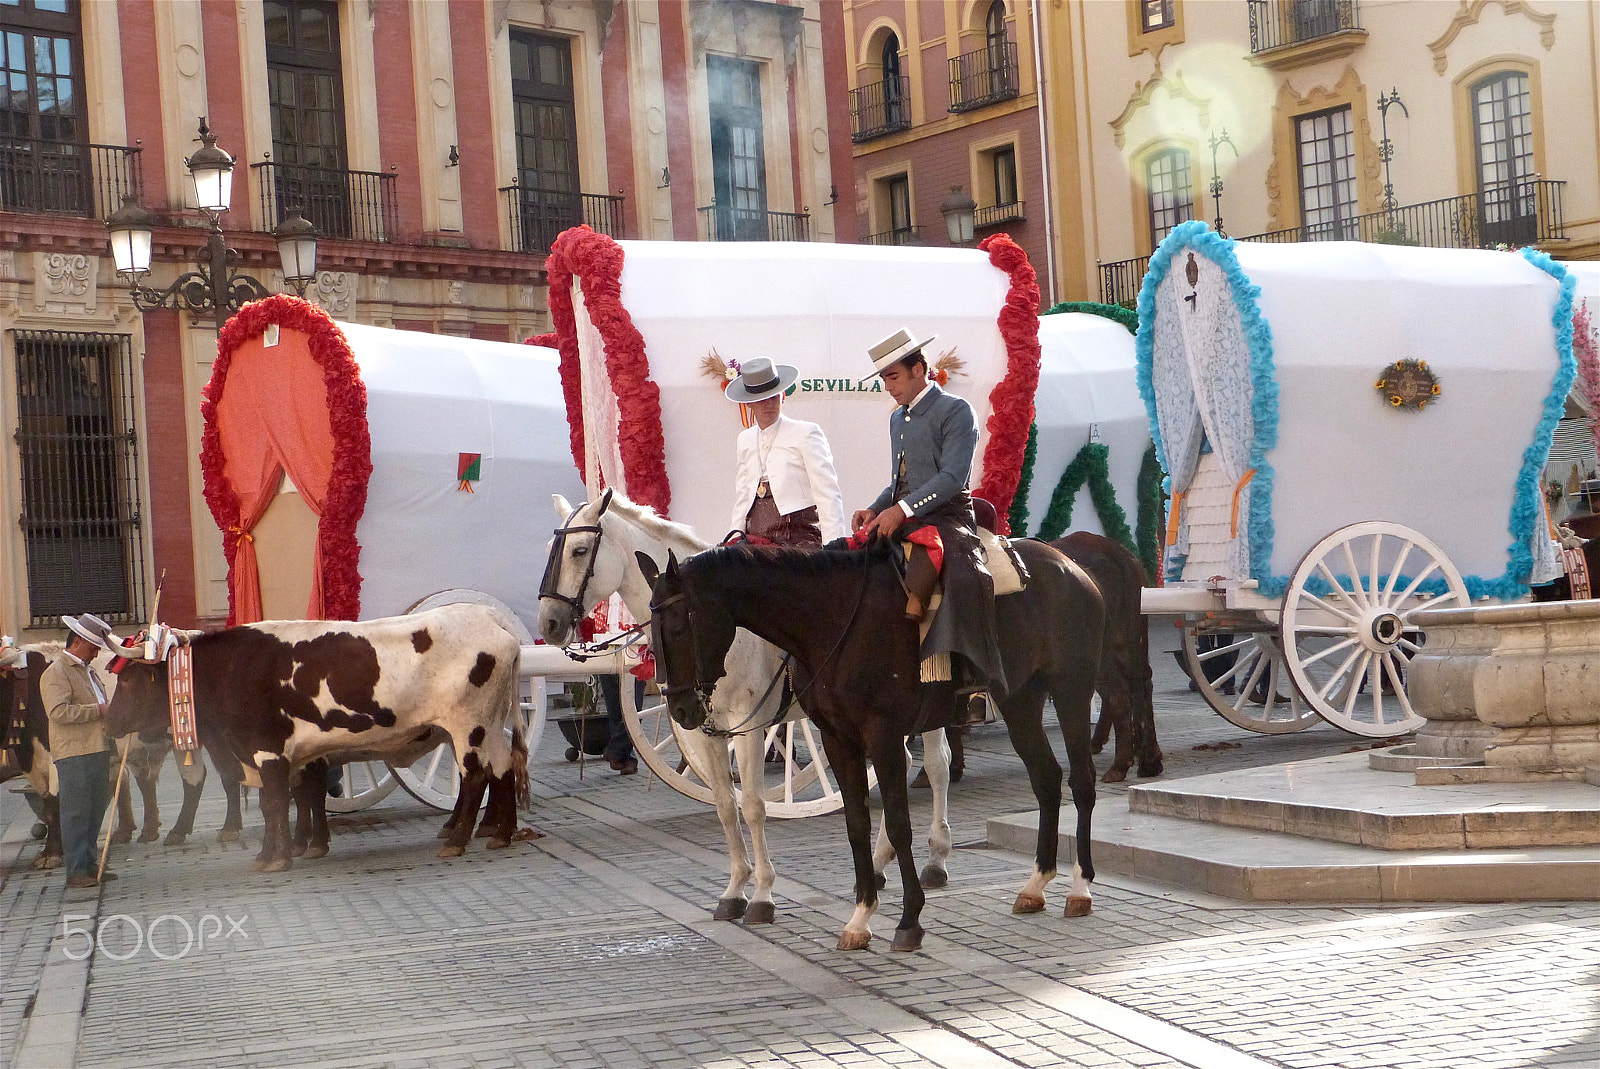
793	560
655	524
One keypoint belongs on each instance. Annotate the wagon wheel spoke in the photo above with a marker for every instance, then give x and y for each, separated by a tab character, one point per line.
1338	588
1314	658
1374	573
1339	673
1398	681
1237	647
1326	607
1259	664
1358	588
1437	599
1418	581
1394	575
1352	692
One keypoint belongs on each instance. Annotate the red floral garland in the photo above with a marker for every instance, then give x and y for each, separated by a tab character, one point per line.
597	261
352	446
1588	355
549	341
1011	401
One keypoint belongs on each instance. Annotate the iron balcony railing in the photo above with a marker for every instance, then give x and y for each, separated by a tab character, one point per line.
67	178
353	205
1280	23
983	76
997	213
1512	214
880	108
904	235
752	224
539	215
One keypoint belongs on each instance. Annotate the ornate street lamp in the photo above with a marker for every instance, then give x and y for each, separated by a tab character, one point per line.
214	286
959	211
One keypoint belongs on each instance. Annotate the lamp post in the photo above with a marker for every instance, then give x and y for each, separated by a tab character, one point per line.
959	211
214	286
1218	140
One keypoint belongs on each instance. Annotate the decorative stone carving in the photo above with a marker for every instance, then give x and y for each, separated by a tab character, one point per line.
1470	13
456	291
335	292
1142	95
65	281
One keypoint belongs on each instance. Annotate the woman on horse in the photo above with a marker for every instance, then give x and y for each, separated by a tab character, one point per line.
786	490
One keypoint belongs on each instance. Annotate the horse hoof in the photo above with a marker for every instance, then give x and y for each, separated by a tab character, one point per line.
228	835
48	861
498	843
1150	771
297	850
1114	775
176	838
1097	747
316	851
485	833
849	940
445	832
276	864
121	836
524	835
880	880
934	877
1027	903
451	850
150	835
1078	906
907	939
729	909
761	913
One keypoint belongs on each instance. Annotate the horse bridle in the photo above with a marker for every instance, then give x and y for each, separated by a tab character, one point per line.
701	690
549	586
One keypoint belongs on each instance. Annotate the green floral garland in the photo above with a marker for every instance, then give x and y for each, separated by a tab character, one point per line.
1126	316
1091	465
1152	509
1019	504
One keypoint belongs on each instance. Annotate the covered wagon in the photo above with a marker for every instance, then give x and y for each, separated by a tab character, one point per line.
1353	433
1090	464
358	472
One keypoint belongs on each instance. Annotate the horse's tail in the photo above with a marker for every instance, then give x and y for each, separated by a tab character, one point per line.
519	738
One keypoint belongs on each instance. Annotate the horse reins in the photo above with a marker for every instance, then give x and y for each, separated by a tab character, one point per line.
549	586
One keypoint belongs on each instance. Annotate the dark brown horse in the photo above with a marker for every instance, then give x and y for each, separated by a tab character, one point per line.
841	614
1125	687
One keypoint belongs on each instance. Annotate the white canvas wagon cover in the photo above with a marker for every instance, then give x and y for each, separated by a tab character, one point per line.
421	462
1088	394
1267	357
643	326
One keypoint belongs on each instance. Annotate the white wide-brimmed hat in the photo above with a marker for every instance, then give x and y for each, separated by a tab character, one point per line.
759	379
91	629
894	348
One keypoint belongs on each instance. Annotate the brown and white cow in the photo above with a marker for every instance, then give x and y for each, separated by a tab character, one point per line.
275	696
30	756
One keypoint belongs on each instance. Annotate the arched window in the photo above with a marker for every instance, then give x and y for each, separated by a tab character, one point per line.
891	58
894	103
1170	189
1502	119
994	33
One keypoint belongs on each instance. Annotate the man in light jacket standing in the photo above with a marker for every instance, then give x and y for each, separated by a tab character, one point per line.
76	703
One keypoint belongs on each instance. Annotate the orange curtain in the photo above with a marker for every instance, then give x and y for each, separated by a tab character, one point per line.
272	419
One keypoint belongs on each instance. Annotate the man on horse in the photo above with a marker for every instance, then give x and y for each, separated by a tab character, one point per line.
933	437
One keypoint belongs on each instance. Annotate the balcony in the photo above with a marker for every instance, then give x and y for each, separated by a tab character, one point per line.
538	215
1292	33
1516	214
352	205
984	76
752	224
880	108
66	178
997	214
904	235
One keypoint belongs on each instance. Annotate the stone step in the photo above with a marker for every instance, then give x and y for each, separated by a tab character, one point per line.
1341	799
1266	866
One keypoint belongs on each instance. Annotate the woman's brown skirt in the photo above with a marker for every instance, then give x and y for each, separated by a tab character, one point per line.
801	528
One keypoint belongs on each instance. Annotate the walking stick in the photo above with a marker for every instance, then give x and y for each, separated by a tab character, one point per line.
122	766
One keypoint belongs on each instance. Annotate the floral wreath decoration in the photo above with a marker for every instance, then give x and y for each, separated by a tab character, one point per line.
1408	384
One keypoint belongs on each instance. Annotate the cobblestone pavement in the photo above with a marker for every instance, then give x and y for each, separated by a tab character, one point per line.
594	947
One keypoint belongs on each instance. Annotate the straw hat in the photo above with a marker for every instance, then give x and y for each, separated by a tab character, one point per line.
896	347
759	379
91	629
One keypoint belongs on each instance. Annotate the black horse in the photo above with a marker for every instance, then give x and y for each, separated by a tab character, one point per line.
841	614
1127	698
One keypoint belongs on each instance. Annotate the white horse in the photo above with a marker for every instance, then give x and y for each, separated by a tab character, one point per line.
597	543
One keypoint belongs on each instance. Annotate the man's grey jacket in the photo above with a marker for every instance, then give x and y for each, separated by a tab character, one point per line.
936	439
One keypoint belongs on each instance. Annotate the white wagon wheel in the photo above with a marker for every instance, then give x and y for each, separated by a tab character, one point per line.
366	783
1256	693
1346	623
432	778
805	787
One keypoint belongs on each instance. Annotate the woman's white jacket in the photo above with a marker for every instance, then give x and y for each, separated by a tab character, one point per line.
799	471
